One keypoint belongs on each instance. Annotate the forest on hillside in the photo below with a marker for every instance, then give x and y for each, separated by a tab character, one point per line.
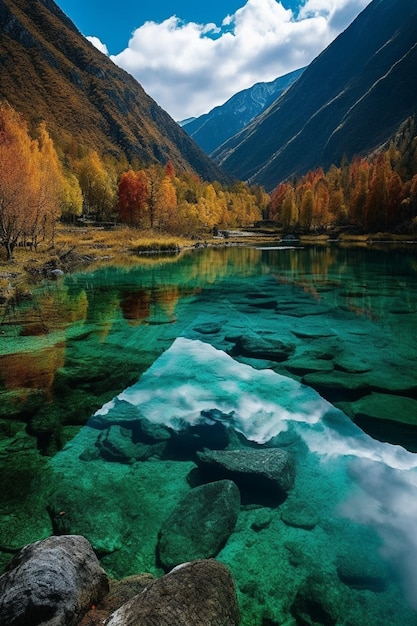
376	193
42	184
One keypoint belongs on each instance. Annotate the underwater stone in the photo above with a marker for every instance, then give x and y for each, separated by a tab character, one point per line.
299	515
301	365
352	363
384	406
255	346
208	328
115	444
325	349
325	382
201	593
51	582
262	519
362	571
200	524
269	469
149	431
316	603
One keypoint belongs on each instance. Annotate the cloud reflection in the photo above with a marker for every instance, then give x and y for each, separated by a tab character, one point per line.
377	481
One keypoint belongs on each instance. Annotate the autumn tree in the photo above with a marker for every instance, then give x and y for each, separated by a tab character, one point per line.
155	175
97	187
15	177
30	182
170	170
321	202
359	183
133	195
289	210
166	204
275	205
375	212
47	190
72	198
307	207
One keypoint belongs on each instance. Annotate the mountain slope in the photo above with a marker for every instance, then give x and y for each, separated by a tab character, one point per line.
350	100
50	72
222	122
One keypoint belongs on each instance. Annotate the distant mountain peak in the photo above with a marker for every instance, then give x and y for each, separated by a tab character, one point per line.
214	128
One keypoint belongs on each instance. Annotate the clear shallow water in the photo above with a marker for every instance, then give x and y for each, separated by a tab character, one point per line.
336	321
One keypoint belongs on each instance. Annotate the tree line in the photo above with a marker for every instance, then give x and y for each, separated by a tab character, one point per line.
41	184
377	193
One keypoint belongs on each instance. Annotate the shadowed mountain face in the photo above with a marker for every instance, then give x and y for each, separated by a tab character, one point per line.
222	122
50	72
349	101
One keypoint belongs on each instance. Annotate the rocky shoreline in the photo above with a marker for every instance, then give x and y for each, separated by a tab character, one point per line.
59	582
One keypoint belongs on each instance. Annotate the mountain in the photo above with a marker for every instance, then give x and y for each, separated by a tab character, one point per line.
222	122
50	72
182	123
349	101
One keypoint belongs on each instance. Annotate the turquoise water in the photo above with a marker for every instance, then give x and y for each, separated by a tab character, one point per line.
114	382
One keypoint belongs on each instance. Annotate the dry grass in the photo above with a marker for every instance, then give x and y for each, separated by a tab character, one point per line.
117	241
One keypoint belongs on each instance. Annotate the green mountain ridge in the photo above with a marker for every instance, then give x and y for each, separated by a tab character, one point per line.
50	72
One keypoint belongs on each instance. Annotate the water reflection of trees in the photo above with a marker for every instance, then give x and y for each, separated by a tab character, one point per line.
69	326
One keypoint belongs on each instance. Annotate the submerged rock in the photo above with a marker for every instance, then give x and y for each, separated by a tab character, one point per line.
200	525
208	328
338	383
260	347
317	602
360	570
116	444
299	514
384	406
269	469
51	583
201	593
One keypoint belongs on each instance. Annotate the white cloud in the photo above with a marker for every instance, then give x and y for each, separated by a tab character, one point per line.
98	44
189	68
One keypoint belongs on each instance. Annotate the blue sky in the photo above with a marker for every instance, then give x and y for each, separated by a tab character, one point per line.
191	57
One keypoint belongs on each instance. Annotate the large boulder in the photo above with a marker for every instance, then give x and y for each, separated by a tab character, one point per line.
267	470
200	525
201	593
51	582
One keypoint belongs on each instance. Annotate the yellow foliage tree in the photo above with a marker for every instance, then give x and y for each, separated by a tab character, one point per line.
166	204
72	198
30	182
47	189
97	186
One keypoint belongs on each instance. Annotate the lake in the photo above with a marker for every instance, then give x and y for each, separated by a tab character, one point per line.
124	391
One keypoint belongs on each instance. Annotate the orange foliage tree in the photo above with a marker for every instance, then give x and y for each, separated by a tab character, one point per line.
133	197
30	183
370	194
